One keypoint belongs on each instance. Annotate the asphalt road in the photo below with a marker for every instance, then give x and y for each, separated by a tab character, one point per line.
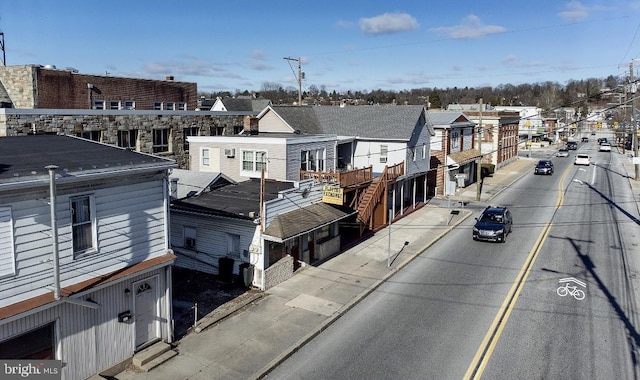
467	309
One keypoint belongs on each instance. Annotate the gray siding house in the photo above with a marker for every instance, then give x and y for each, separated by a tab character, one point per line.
85	264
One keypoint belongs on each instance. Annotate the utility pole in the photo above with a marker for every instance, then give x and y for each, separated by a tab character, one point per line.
479	168
634	138
298	77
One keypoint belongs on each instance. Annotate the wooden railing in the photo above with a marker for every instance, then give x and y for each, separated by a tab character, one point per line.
380	186
345	179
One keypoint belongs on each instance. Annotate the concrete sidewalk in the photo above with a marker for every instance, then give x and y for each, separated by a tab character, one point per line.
270	326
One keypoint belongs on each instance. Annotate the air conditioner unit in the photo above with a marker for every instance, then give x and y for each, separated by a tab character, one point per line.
383	160
230	152
190	243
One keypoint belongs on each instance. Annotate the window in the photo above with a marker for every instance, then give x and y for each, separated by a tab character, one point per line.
384	150
114	105
233	244
157	105
181	106
129	105
128	139
217	131
38	344
160	140
206	159
98	105
312	160
455	139
190	238
169	106
254	161
90	135
424	151
237	129
82	224
190	131
7	262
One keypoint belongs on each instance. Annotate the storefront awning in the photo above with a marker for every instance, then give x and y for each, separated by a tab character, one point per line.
464	157
295	223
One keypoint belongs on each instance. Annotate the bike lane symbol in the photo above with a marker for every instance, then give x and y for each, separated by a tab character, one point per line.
570	288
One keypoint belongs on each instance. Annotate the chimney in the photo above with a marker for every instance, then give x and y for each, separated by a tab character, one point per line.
169	77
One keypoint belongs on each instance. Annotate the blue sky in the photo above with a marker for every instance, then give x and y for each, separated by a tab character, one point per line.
343	45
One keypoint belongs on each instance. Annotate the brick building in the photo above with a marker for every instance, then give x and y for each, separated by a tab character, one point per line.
36	86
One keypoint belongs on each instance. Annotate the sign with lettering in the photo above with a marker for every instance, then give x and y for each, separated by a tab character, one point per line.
332	194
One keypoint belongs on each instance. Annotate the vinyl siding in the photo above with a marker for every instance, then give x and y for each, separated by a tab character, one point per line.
293	157
91	340
211	240
130	221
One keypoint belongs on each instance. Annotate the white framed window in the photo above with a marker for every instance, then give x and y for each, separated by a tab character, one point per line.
98	105
253	161
206	158
312	160
7	253
455	139
114	105
129	105
161	140
128	139
83	224
157	106
424	151
169	106
384	151
190	237
181	106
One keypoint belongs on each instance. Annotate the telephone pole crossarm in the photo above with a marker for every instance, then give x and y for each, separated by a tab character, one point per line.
298	77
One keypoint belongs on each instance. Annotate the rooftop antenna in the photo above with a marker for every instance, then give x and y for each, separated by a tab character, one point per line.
298	77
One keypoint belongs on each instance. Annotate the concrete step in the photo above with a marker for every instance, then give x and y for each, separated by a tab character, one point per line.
143	357
158	360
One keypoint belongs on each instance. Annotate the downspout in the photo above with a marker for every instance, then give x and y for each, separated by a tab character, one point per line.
56	253
54	231
168	271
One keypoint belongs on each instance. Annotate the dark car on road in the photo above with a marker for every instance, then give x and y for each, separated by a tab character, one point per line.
585	139
494	224
543	167
572	145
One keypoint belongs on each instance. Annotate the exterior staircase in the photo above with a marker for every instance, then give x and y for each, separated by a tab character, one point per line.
153	356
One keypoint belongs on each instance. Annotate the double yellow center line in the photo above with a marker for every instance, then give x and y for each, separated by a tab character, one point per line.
483	354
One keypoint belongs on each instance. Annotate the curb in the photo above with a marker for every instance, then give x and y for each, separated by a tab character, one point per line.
264	371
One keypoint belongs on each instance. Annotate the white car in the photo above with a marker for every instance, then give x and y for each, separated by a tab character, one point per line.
605	147
563	152
582	159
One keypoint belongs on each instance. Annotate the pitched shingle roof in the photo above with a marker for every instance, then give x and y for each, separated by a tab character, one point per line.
379	121
245	104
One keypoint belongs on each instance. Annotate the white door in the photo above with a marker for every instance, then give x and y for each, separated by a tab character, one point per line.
147	311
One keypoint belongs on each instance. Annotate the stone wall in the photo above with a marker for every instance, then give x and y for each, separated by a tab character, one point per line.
278	272
18	82
106	124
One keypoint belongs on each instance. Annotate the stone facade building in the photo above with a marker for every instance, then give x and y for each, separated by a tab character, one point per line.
162	133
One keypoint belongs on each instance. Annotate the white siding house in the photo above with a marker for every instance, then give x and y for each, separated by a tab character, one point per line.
85	266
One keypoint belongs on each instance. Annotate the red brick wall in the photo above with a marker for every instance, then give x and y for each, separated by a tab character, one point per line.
63	89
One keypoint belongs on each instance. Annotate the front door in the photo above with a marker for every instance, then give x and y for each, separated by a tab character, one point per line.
147	311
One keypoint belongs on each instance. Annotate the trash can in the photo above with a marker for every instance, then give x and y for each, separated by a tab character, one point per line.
246	274
225	269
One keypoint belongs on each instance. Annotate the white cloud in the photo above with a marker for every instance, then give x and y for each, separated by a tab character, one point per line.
575	11
388	23
194	68
471	27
